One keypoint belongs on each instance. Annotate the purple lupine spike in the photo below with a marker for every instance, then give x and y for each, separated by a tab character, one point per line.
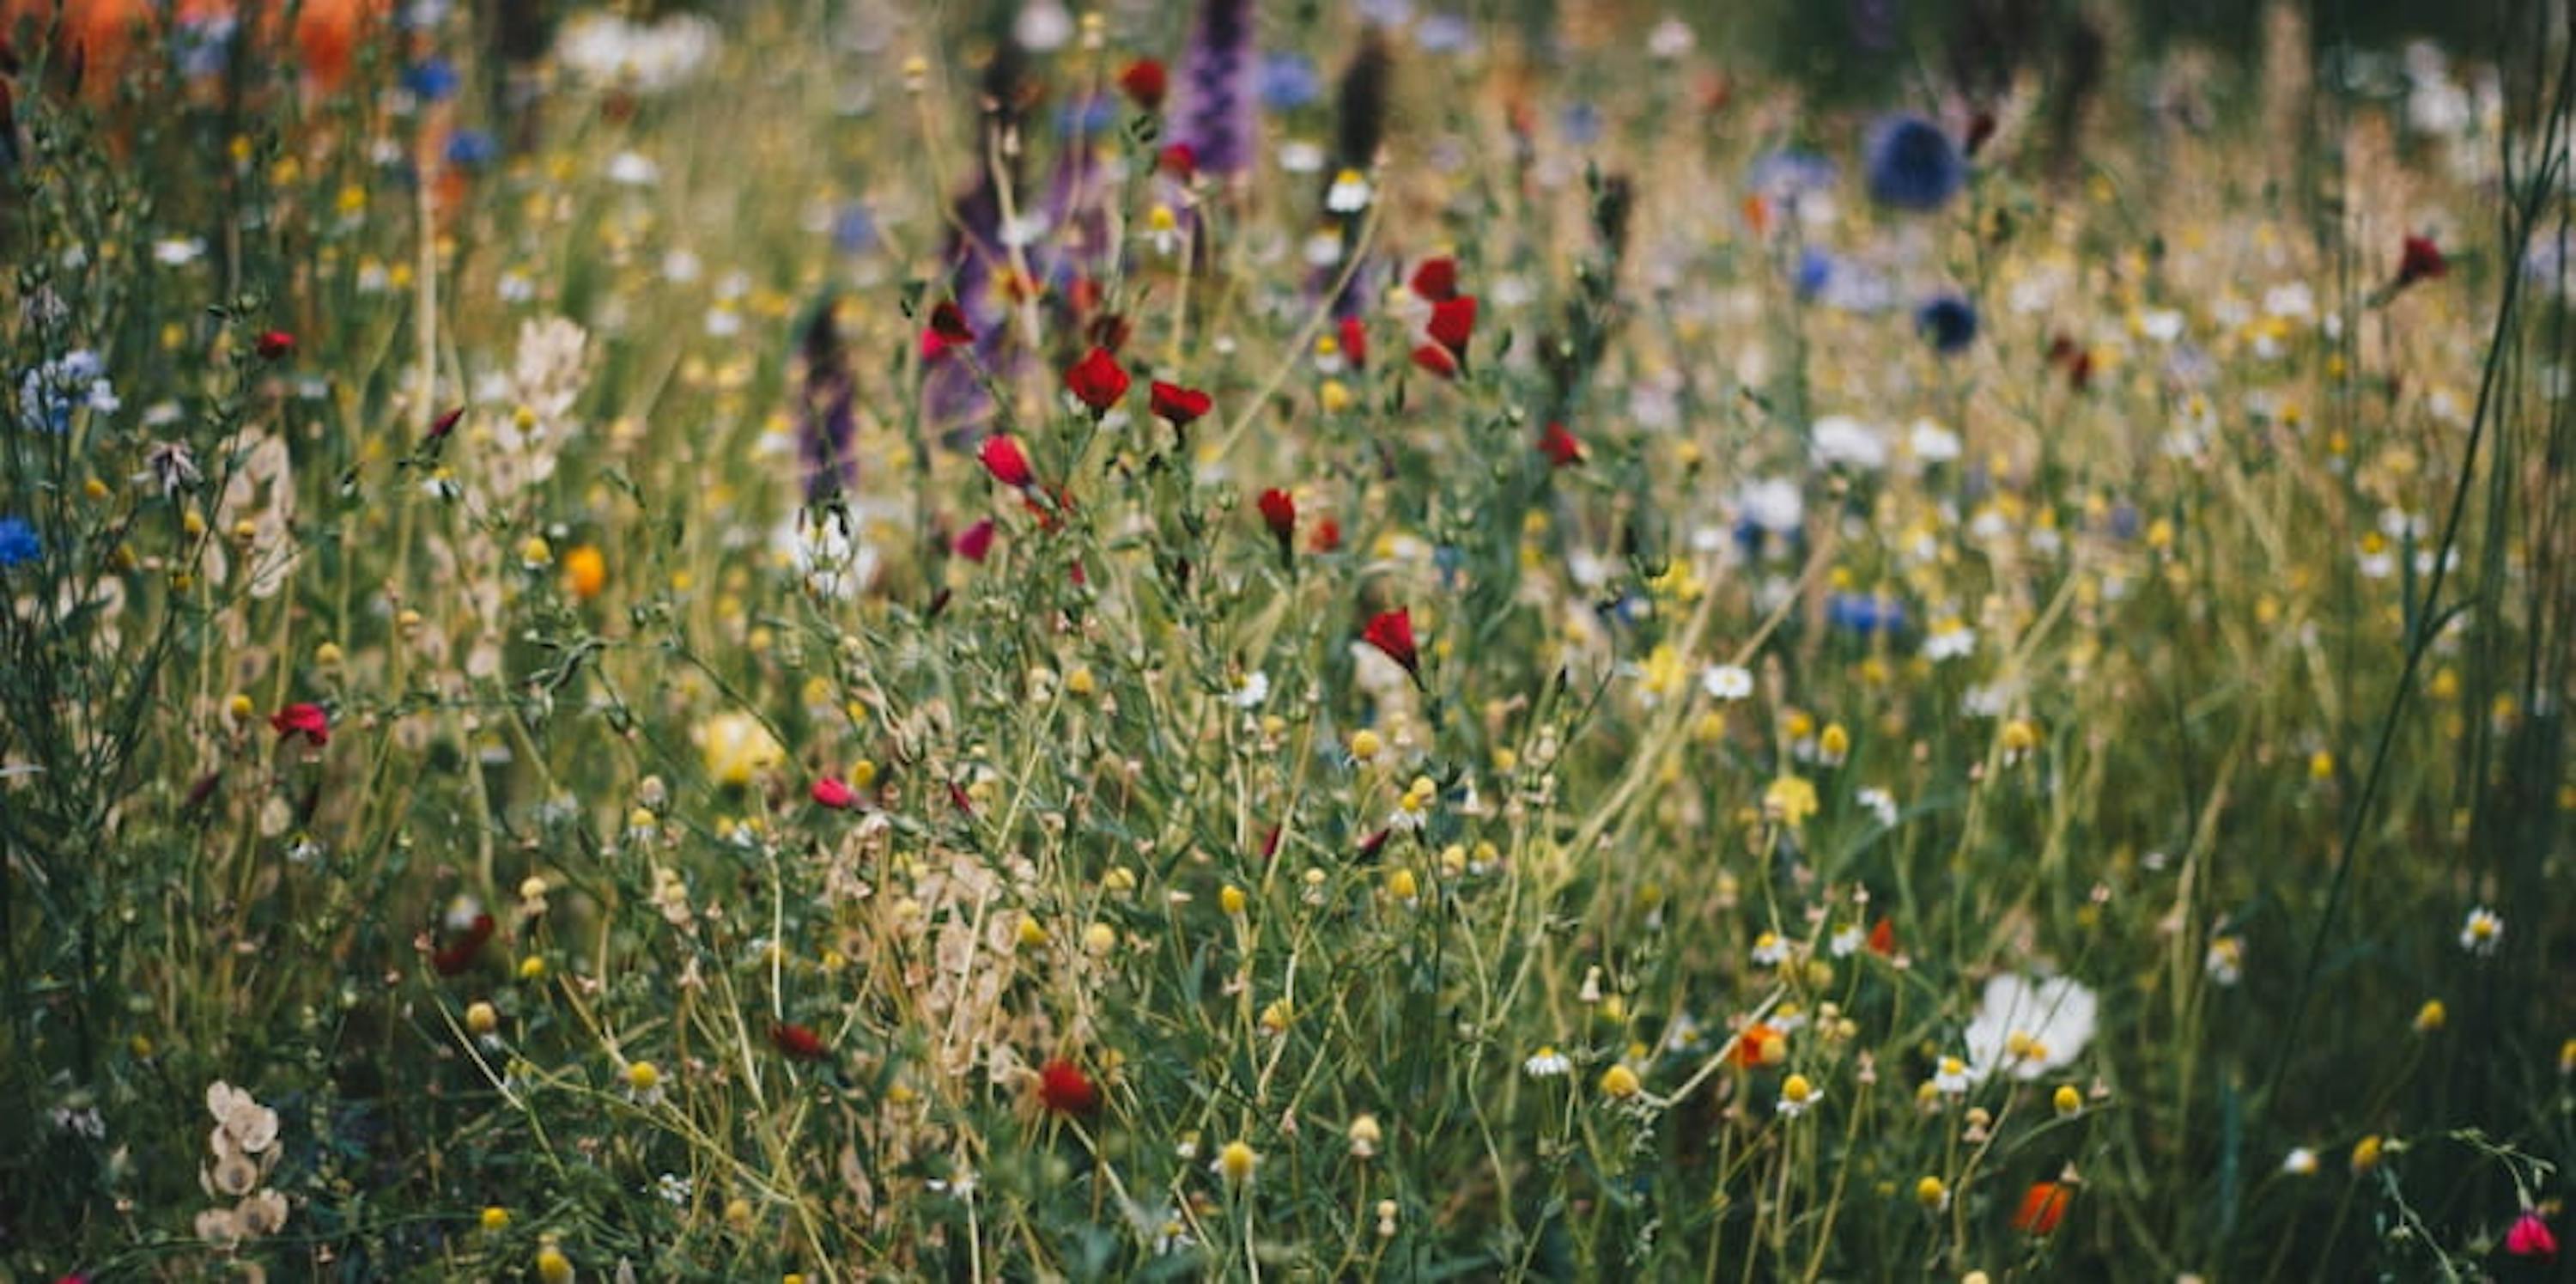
1214	115
826	423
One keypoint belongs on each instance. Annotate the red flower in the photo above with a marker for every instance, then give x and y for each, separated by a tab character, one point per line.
835	793
1355	342
1453	321
1064	1089
797	1042
1008	464
307	720
1436	279
2042	1207
1392	633
2421	260
446	423
975	543
1560	447
947	329
1097	380
275	345
1182	406
1374	843
2531	1237
1279	513
1749	1044
1436	359
1179	161
1145	82
1327	536
459	953
1882	937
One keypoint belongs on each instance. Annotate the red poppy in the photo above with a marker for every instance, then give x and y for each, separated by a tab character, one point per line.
1355	342
1097	380
1453	321
1436	359
835	793
1279	513
947	329
275	345
1065	1090
2421	260
459	954
975	543
1146	82
1327	536
1179	161
1008	464
1436	279
310	721
1882	937
1392	633
1560	447
2042	1207
1182	406
797	1042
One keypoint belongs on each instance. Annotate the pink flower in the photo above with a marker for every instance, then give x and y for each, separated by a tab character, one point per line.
835	793
975	543
2531	1237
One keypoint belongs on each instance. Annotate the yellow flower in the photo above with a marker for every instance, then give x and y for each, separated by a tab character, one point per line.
496	1218
552	1266
737	746
2365	1154
481	1018
1235	1162
1790	800
2067	1100
643	1076
1619	1082
2431	1016
1663	672
1931	1193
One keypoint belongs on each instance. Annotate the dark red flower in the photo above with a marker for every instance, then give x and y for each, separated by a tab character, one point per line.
975	543
1436	359
797	1042
1008	464
1453	322
1374	843
445	424
1065	1090
1355	342
1145	81
835	793
310	721
459	954
275	345
1179	161
1436	279
947	329
1327	536
2042	1207
2421	260
1182	406
1279	513
1560	447
1392	633
1097	380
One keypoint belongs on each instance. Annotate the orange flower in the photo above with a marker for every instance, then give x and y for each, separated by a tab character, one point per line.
585	572
2042	1207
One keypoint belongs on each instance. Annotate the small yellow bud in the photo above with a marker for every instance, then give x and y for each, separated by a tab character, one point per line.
481	1018
1365	745
1099	939
1619	1082
496	1218
1400	884
643	1076
1080	682
1931	1193
1230	899
1031	934
552	1266
2067	1100
2365	1154
532	968
2431	1017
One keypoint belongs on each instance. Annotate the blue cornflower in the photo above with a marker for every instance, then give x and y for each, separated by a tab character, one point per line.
471	149
1864	613
1289	81
18	543
1913	165
1581	123
1815	272
854	230
1948	322
432	79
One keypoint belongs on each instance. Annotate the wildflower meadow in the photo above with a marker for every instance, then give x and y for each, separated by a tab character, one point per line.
1310	640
